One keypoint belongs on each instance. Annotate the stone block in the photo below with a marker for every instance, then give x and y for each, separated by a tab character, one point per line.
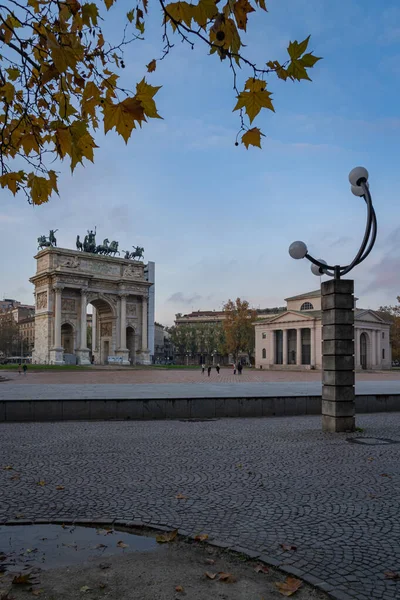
313	405
229	408
74	410
393	403
338	409
342	363
295	405
268	407
338	332
365	404
337	316
338	424
2	411
48	410
103	409
344	393
338	377
129	409
337	301
250	407
337	286
338	347
178	408
203	408
19	410
154	409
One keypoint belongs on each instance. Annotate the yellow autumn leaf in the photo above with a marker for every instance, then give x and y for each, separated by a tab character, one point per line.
288	587
252	137
167	537
151	66
130	15
109	3
13	73
11	180
145	93
205	11
261	4
8	468
254	98
7	91
241	9
29	143
40	193
90	12
122	116
64	141
181	12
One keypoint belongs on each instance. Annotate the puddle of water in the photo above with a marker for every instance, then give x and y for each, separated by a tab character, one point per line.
50	546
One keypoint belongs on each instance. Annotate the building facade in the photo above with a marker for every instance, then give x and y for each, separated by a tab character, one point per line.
66	281
293	339
26	329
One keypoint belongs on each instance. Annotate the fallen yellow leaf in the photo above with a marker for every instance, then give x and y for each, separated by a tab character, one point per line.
167	537
22	579
121	544
7	468
226	577
288	587
179	588
85	588
37	592
210	575
60	487
261	569
202	537
41	482
181	497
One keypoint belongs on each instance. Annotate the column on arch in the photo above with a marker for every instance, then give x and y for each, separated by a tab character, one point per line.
298	346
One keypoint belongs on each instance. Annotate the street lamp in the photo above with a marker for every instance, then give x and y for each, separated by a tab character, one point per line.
358	178
337	305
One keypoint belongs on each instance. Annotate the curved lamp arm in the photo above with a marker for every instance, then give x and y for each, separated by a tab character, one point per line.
359	179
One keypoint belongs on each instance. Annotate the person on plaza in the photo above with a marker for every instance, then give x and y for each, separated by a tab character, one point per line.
234	368
240	367
203	368
209	370
218	368
19	368
25	368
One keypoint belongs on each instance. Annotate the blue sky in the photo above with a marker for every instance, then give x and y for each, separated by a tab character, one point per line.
218	219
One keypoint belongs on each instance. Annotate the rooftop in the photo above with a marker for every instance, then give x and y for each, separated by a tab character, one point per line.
313	294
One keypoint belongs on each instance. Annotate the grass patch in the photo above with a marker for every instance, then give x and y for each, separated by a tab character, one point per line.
12	367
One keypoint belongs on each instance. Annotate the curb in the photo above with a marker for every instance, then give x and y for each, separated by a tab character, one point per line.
324	586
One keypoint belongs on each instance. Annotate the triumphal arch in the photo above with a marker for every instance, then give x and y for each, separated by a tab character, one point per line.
67	281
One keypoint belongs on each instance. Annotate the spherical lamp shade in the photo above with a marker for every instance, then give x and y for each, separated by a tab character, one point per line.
297	250
357	174
316	270
358	190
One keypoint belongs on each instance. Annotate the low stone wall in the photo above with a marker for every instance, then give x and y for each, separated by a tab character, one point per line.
182	408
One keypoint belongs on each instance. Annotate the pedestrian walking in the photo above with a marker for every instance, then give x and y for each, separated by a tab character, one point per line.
19	368
218	368
25	368
240	367
203	368
234	368
209	370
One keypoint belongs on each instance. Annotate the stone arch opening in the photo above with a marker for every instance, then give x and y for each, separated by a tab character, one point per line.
67	338
130	344
103	340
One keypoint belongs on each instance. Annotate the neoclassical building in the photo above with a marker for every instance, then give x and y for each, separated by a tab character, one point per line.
293	339
66	281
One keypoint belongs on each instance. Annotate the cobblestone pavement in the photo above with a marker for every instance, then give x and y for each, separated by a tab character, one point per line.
253	483
103	391
108	375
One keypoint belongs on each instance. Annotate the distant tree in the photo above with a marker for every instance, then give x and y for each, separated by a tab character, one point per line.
238	327
392	314
59	76
10	341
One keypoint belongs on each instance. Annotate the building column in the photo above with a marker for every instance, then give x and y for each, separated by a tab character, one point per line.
57	317
284	346
94	330
379	348
298	346
271	348
144	324
122	322
83	320
312	346
372	337
357	357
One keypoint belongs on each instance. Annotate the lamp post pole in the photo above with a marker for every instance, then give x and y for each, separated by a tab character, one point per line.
337	303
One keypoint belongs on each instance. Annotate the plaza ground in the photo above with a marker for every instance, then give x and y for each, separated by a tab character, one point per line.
250	484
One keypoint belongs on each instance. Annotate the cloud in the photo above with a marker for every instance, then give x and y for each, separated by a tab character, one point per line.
341	241
180	298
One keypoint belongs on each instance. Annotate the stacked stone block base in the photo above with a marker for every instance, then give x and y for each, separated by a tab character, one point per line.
338	393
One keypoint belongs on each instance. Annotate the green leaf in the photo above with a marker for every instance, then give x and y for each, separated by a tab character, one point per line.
296	49
309	60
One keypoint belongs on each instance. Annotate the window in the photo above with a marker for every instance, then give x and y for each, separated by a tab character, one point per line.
383	335
264	353
306	306
383	353
264	335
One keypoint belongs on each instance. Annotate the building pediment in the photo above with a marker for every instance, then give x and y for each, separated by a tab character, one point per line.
368	315
293	315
